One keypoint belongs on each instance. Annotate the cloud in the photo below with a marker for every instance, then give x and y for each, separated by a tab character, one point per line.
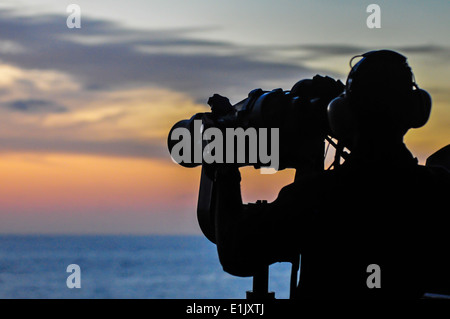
428	49
112	90
103	55
331	49
122	123
117	148
318	51
105	89
35	106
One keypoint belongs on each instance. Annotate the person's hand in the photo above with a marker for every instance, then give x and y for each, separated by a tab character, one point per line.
220	105
327	86
318	87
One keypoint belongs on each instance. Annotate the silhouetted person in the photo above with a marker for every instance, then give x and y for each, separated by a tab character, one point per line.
380	207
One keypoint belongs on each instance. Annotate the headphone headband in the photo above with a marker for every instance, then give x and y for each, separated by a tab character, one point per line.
376	94
378	58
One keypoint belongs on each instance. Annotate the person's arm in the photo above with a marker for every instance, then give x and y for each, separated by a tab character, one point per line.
251	236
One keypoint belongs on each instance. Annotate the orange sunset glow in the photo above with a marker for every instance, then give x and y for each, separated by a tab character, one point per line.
42	187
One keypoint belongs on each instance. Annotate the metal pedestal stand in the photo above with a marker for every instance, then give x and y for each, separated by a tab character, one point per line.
261	286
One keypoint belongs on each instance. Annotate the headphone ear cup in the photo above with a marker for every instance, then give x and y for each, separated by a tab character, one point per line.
341	118
421	108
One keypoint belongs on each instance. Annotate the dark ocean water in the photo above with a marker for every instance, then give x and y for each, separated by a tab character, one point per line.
138	267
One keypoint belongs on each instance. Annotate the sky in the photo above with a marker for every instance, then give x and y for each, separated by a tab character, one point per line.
85	113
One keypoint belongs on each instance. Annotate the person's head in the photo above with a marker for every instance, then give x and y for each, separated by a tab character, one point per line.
381	99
